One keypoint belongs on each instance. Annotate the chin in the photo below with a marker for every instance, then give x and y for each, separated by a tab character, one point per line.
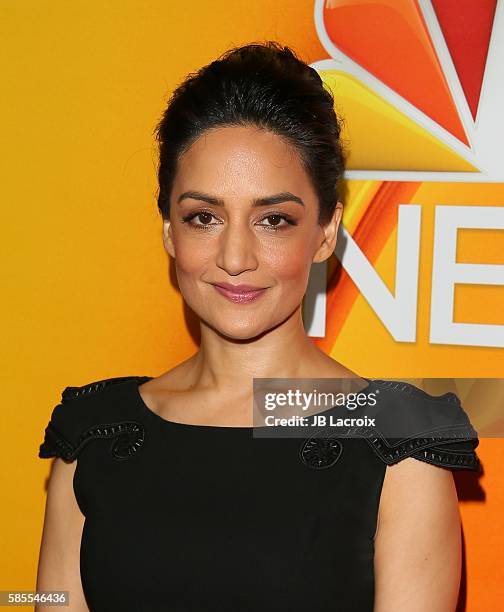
242	330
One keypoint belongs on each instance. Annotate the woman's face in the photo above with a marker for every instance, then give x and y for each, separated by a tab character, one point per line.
243	211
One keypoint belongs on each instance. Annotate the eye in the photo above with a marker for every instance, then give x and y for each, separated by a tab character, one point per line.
277	218
204	217
199	214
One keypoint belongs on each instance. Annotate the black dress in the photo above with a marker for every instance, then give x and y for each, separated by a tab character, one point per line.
184	517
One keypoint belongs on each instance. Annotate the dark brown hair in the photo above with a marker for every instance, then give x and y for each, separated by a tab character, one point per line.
265	85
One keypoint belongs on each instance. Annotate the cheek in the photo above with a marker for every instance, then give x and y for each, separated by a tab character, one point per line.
192	257
289	263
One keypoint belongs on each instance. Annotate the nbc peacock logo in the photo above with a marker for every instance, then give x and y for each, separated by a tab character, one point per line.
419	84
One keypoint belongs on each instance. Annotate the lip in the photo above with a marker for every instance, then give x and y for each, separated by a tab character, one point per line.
238	288
239	293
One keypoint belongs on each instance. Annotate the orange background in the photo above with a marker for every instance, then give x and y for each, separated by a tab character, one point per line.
87	292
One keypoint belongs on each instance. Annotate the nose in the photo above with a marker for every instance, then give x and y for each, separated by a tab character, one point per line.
237	246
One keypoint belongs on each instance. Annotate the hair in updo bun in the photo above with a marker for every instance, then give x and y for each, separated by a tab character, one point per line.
264	85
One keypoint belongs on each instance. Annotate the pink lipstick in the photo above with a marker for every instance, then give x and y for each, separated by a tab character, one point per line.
239	294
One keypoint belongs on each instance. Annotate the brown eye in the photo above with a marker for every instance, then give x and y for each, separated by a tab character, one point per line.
275	221
202	215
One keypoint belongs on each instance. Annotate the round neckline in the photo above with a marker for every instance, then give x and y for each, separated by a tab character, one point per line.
138	380
169	423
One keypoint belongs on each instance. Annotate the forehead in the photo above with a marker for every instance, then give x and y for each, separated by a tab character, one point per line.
241	159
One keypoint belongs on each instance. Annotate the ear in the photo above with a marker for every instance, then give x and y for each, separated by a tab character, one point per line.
329	235
168	237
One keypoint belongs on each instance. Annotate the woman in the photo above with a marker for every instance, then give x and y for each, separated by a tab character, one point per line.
173	504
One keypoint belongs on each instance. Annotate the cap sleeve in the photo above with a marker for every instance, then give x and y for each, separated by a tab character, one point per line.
434	429
82	415
58	433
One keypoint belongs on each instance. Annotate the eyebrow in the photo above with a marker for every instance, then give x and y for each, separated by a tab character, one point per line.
277	198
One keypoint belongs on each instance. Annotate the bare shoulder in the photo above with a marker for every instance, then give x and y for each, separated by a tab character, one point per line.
417	542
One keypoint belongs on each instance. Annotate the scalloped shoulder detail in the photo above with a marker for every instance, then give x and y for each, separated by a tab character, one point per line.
95	387
455	452
443	436
411	389
74	423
